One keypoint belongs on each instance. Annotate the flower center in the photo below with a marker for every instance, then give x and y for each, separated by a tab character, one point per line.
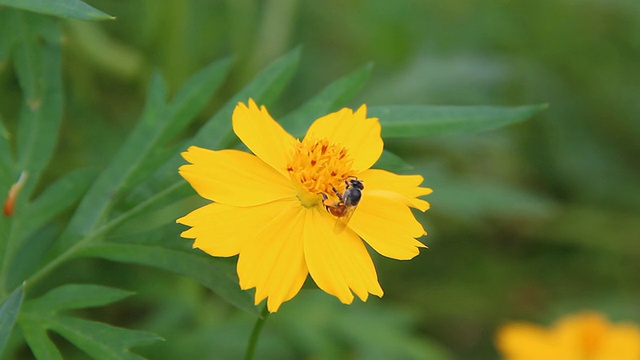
317	167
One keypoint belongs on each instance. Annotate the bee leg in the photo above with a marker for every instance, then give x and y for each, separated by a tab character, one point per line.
337	194
326	201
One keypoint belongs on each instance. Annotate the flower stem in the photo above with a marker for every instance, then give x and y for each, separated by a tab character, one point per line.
255	334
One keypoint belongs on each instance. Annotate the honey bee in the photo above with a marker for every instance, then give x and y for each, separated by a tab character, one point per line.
346	205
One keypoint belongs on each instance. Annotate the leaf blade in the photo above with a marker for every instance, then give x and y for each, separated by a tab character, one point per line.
102	341
35	334
332	96
217	133
70	9
9	313
135	159
57	198
263	88
76	296
401	121
38	65
215	274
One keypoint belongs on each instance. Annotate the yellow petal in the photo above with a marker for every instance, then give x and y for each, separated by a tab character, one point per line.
338	263
222	230
621	343
272	260
388	226
521	341
263	135
361	136
233	177
405	186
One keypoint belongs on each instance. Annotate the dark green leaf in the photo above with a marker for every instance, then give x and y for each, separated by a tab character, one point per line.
8	314
188	102
37	63
217	132
131	164
392	162
35	334
264	88
101	341
425	120
71	9
6	162
329	99
213	273
56	199
195	94
76	296
6	37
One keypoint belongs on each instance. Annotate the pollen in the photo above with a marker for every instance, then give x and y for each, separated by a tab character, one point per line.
319	167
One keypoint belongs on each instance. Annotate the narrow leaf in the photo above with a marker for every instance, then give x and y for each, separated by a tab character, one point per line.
217	133
57	198
35	334
76	296
6	37
70	9
6	162
392	162
265	87
158	123
329	99
37	62
183	109
195	94
215	274
424	120
8	314
99	340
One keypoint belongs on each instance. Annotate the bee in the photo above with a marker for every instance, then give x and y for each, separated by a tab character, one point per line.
346	205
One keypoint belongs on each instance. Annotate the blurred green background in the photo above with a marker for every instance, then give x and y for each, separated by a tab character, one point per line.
528	222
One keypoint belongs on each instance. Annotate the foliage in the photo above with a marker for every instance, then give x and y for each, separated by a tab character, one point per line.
528	222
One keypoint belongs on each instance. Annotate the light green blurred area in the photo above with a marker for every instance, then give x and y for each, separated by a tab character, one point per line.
528	222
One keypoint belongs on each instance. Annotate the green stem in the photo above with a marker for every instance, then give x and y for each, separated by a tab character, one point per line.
255	334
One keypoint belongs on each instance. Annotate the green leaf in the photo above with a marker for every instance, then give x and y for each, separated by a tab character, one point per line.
195	94
37	62
425	120
329	99
217	133
23	251
392	162
101	341
217	275
188	102
264	88
76	296
132	163
6	162
8	314
70	9
56	199
93	43
35	334
6	37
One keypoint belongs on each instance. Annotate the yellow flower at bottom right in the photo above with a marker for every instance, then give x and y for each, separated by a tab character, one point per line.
585	336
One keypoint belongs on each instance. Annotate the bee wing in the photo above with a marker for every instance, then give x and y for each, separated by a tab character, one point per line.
341	222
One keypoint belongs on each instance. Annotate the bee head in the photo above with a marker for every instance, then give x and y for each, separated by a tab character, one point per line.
355	183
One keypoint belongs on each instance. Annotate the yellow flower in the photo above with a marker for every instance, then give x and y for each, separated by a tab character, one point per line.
587	336
269	208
